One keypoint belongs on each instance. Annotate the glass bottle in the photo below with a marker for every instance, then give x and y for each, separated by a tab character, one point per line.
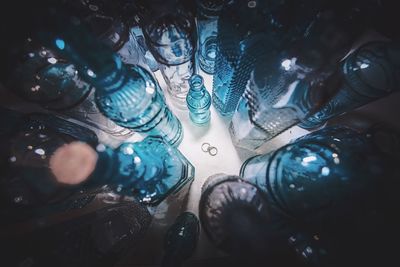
150	170
369	73
171	37
238	219
289	84
207	19
149	58
314	177
181	239
127	94
198	101
239	43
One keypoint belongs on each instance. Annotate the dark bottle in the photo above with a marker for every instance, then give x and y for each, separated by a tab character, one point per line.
238	219
369	73
181	239
94	228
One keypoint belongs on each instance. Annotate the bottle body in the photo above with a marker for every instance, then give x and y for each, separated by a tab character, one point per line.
198	101
368	74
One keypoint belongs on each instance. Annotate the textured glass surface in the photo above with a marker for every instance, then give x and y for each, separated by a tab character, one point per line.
317	174
150	169
371	72
133	100
198	101
172	40
180	240
149	59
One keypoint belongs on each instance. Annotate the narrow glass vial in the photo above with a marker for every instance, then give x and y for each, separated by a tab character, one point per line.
314	177
171	37
198	101
207	19
237	218
127	94
369	73
181	239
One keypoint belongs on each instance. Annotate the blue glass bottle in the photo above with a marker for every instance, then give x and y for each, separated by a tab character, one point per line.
181	239
127	94
369	73
150	170
314	177
171	37
239	43
207	19
198	101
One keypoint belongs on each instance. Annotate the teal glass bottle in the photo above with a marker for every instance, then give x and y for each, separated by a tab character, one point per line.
368	74
315	176
127	94
150	170
198	101
181	239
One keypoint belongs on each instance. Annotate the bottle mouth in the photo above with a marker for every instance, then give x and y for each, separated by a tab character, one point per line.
196	82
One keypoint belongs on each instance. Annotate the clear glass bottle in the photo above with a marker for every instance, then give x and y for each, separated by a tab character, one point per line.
289	84
171	37
314	178
150	60
181	239
238	219
198	101
369	73
207	20
127	94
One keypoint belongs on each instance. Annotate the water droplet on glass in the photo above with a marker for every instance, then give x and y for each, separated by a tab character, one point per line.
18	199
52	60
40	151
325	171
13	159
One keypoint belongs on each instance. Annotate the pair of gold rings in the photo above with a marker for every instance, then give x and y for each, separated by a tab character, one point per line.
212	150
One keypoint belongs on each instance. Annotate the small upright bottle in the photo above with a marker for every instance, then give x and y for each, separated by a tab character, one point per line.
198	101
181	239
127	94
207	19
368	74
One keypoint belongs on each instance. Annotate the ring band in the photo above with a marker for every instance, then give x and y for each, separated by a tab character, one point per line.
205	147
212	151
